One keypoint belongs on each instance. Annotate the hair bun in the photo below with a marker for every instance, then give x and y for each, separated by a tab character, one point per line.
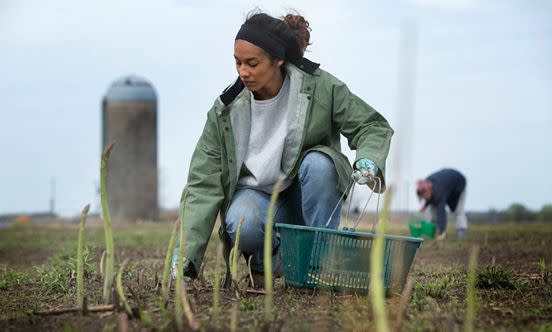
301	29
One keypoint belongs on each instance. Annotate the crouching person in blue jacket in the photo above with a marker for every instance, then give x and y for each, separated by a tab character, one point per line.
442	188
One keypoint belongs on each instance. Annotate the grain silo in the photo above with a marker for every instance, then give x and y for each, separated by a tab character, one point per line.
129	118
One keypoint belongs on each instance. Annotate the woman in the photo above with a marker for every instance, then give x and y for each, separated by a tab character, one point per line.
282	118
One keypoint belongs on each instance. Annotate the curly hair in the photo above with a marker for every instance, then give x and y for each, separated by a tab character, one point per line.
301	28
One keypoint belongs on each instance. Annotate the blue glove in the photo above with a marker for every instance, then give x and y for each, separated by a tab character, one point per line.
365	170
188	267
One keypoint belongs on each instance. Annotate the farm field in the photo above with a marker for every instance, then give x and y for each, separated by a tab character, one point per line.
37	264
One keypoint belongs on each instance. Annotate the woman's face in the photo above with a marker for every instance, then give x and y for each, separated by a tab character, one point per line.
260	74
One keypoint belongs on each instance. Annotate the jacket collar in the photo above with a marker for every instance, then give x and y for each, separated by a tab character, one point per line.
239	112
308	66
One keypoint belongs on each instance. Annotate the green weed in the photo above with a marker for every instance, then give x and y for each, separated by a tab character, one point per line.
418	302
542	268
56	275
497	277
546	327
439	287
54	279
12	278
545	276
67	327
251	303
146	318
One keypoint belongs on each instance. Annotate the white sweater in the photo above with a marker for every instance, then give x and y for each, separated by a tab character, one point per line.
263	158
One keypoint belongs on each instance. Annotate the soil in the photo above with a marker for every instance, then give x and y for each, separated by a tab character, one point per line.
438	301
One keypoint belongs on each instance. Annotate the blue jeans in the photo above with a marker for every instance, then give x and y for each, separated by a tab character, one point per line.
309	200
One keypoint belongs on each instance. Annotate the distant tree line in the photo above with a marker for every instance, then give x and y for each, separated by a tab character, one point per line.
516	212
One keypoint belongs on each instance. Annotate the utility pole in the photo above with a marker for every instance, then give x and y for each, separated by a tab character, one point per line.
52	195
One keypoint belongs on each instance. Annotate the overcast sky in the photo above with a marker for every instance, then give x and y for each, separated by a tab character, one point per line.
482	89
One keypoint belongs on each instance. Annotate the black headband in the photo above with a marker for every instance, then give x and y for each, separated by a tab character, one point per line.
263	38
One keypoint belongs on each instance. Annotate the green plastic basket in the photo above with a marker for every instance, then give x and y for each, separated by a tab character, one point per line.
422	228
428	229
340	259
415	230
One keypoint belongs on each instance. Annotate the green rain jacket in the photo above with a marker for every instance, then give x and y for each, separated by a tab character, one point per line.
322	109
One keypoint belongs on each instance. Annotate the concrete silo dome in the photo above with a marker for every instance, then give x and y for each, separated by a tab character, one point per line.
131	88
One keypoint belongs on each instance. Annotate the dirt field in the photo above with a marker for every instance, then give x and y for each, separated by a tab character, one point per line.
514	284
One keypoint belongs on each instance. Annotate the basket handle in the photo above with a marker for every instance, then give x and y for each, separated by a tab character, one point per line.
350	188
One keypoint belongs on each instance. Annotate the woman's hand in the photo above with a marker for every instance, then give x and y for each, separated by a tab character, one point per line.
365	169
187	265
